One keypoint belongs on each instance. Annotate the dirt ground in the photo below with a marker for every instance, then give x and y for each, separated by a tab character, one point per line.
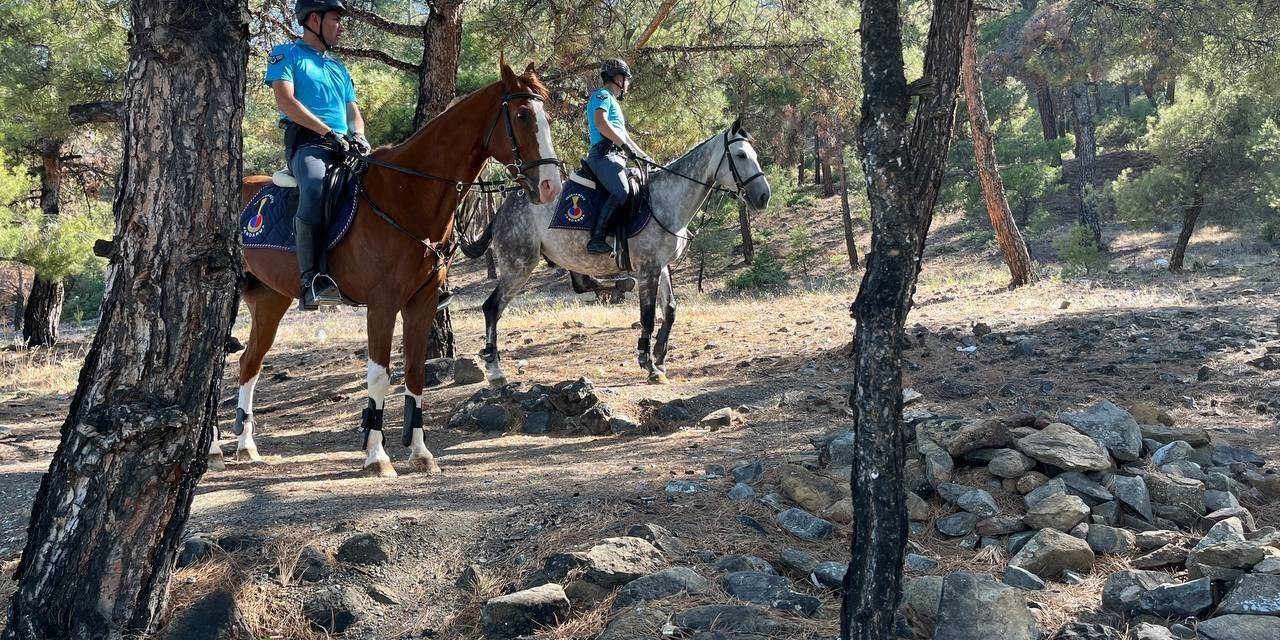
1141	335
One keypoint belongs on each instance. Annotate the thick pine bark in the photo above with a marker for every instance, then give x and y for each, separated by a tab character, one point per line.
1170	90
111	510
744	223
40	318
438	73
1087	154
1012	246
1188	225
904	172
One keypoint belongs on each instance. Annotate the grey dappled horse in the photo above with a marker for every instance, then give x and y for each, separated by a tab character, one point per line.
725	162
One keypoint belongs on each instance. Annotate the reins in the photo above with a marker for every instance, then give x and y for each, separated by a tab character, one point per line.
738	182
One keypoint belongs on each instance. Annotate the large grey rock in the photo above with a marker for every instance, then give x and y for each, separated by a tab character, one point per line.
1237	556
468	370
1152	540
523	612
1187	600
748	472
739	562
830	574
1133	493
1063	447
660	537
1219	500
1184	493
367	548
1166	556
662	584
1253	594
960	436
1081	485
1087	631
1229	530
640	622
923	595
978	502
804	525
1238	627
938	464
1060	511
725	617
195	549
1111	426
1009	463
1225	456
313	565
957	525
797	561
1164	434
1172	452
1051	551
1051	488
1105	539
212	617
1023	579
1148	631
772	590
917	508
1123	588
612	562
1000	525
976	607
334	609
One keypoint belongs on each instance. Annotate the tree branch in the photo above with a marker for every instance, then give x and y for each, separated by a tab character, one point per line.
663	12
382	24
94	112
380	56
560	74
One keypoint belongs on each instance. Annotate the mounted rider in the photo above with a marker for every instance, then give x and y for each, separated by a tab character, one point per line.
607	132
317	102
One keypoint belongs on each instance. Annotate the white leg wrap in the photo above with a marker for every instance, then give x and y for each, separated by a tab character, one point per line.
246	395
379	382
375	452
214	449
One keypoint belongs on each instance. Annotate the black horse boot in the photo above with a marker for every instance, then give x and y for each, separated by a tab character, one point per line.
598	244
317	287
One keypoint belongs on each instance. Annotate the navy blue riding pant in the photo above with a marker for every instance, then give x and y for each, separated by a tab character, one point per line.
610	167
309	164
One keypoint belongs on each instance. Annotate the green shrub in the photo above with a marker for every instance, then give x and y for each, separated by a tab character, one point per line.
1270	231
765	272
1079	251
802	253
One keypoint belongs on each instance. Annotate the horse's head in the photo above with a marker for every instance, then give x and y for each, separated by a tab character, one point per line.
739	168
522	141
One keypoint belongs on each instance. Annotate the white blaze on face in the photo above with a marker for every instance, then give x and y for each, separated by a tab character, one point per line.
547	150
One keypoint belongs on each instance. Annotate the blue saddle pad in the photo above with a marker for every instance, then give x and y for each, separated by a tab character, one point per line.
267	221
579	205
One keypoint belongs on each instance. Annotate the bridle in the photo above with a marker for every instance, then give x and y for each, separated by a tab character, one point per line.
740	184
519	169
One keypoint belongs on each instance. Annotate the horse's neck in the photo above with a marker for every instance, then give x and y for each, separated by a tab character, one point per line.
678	198
458	132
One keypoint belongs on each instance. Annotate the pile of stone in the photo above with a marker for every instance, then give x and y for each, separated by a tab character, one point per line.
1056	493
642	570
569	407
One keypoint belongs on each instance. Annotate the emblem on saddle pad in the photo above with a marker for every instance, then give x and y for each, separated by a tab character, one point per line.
259	221
575	212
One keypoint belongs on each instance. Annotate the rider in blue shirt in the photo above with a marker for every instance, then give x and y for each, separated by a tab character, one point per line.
317	102
607	133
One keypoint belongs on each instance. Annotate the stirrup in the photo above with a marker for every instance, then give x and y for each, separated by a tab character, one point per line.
325	291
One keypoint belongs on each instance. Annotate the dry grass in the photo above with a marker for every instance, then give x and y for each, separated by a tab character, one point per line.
30	372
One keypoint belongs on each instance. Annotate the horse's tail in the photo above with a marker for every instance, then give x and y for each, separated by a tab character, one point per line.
476	249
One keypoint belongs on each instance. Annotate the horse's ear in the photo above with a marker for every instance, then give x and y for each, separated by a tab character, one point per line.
736	126
508	76
529	69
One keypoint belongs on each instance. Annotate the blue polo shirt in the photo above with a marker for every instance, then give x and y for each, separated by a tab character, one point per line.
320	82
604	101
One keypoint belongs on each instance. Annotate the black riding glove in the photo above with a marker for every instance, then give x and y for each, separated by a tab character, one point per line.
359	144
338	142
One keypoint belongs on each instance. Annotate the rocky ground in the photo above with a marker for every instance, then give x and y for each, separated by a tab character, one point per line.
1092	458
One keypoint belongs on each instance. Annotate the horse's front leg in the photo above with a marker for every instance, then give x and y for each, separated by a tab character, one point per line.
668	319
380	323
648	303
417	327
515	261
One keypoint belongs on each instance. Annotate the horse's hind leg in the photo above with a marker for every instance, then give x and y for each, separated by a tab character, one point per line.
648	303
417	316
668	319
266	308
380	323
513	273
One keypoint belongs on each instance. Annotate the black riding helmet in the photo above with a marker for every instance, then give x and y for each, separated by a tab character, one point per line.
305	8
614	67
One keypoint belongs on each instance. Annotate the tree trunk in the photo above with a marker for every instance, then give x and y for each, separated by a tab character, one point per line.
110	512
44	308
1086	155
1048	118
1149	85
800	170
817	156
1170	90
19	299
438	74
1188	226
1012	247
846	216
437	85
904	162
702	268
1125	97
748	245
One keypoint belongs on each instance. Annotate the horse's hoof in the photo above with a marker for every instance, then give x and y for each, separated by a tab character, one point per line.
380	469
424	465
216	462
248	455
658	378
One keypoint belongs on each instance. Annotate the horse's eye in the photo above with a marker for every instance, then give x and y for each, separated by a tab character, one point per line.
742	155
523	115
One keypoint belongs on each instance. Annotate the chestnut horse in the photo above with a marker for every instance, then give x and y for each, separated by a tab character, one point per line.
395	255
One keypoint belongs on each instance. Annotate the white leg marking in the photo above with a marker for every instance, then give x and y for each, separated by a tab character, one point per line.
379	382
376	459
246	448
495	371
246	395
419	456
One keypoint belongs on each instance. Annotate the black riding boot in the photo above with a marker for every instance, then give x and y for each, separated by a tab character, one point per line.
598	244
317	287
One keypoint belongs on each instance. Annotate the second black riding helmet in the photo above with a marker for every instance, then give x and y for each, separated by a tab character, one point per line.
305	8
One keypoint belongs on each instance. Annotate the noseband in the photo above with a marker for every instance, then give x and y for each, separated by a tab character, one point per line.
519	167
